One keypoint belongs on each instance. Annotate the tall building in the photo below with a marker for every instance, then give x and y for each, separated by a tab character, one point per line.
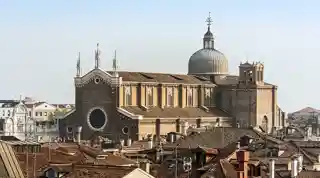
123	104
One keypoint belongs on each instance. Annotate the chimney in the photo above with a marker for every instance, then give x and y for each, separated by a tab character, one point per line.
178	125
300	162
150	143
238	146
198	123
145	165
122	142
171	137
129	141
243	159
238	125
158	130
185	127
271	168
79	130
294	167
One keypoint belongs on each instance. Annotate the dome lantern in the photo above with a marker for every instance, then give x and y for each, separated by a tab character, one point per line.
208	60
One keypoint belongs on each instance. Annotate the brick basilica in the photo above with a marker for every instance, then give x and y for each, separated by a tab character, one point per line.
122	104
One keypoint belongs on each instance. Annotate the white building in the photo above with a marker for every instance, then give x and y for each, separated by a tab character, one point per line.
15	120
36	120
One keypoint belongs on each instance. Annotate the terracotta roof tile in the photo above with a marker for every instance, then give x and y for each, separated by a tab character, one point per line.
89	171
218	137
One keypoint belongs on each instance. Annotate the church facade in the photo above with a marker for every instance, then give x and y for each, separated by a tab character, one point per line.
122	104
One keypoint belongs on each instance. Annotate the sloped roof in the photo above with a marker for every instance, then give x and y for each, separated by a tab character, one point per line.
10	161
307	110
218	137
162	78
102	171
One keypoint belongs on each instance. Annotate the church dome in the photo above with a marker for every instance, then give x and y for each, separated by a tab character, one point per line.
208	60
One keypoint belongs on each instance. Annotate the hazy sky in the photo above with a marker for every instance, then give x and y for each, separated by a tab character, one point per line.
39	41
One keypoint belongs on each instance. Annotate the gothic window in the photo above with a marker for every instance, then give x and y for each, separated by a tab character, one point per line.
149	97
127	96
207	97
169	96
189	97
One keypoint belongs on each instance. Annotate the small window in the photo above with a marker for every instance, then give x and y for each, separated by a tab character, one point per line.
30	113
36	113
45	113
40	113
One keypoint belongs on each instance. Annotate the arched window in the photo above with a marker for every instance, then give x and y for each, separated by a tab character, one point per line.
149	96
170	96
207	97
127	96
190	97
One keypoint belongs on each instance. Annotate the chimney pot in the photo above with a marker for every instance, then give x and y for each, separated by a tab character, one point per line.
238	146
271	168
185	127
122	142
150	143
79	130
294	167
129	141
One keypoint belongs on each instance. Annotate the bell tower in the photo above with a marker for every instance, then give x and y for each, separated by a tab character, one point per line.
251	74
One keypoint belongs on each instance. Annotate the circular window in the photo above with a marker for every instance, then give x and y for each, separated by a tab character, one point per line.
125	130
97	80
97	119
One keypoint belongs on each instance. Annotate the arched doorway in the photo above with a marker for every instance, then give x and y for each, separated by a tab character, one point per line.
264	124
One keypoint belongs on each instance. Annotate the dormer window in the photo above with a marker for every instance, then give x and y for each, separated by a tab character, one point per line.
127	96
190	97
169	92
149	98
